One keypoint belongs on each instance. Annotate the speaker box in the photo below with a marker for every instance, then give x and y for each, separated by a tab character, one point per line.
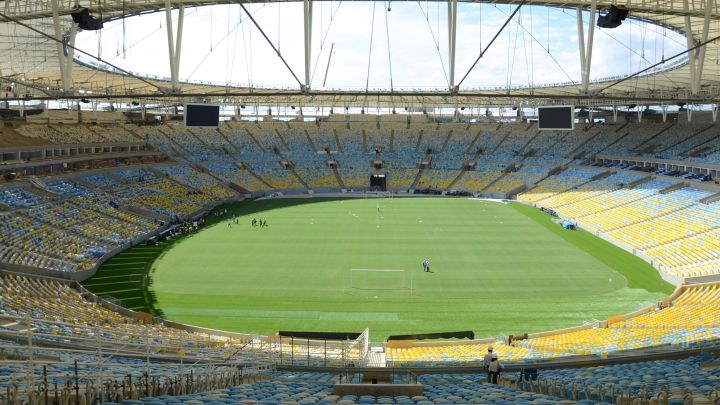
85	21
613	18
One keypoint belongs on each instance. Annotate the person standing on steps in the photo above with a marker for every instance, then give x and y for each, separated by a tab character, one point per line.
494	369
487	360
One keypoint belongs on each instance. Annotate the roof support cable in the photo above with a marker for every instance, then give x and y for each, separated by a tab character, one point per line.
324	39
271	44
492	41
681	53
633	51
372	33
248	60
510	66
227	54
213	48
480	25
531	68
231	68
124	48
387	37
528	59
426	14
570	79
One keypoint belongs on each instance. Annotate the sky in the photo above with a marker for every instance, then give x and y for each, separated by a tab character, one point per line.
405	48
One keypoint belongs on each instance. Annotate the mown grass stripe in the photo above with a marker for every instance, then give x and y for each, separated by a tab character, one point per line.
494	269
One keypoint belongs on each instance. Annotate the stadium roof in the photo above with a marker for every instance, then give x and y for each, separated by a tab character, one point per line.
36	43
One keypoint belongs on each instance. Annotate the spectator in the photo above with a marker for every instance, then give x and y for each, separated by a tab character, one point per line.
486	361
494	369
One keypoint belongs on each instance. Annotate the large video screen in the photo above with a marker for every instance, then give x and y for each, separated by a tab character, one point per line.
202	115
556	118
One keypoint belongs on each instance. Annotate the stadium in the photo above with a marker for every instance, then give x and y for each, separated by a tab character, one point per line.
328	202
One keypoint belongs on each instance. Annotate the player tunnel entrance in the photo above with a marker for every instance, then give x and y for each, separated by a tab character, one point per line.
378	182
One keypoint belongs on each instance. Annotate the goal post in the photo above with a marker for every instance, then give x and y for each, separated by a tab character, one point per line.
379	282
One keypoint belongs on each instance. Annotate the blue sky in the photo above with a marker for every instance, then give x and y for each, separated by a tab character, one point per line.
221	45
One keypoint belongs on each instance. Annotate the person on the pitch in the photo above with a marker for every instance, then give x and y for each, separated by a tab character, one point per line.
254	222
426	265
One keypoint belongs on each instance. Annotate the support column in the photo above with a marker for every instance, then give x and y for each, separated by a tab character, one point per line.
588	52
452	34
307	23
690	43
174	42
178	43
67	74
701	56
585	49
57	31
581	40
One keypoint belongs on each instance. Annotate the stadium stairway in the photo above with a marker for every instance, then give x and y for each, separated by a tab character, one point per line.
338	177
646	146
579	148
624	203
524	150
704	147
375	357
419	141
548	147
337	140
421	169
255	140
249	170
310	141
710	199
471	146
282	140
587	197
661	214
683	140
177	146
235	152
291	169
497	179
504	138
458	177
550	173
443	148
201	141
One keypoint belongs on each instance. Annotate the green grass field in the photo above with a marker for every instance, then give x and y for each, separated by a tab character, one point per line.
496	269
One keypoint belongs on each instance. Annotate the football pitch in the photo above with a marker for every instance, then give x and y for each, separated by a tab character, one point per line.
347	264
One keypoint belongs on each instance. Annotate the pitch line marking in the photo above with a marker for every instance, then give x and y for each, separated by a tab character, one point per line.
379	270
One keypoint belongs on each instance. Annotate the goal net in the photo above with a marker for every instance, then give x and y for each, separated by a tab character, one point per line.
379	282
